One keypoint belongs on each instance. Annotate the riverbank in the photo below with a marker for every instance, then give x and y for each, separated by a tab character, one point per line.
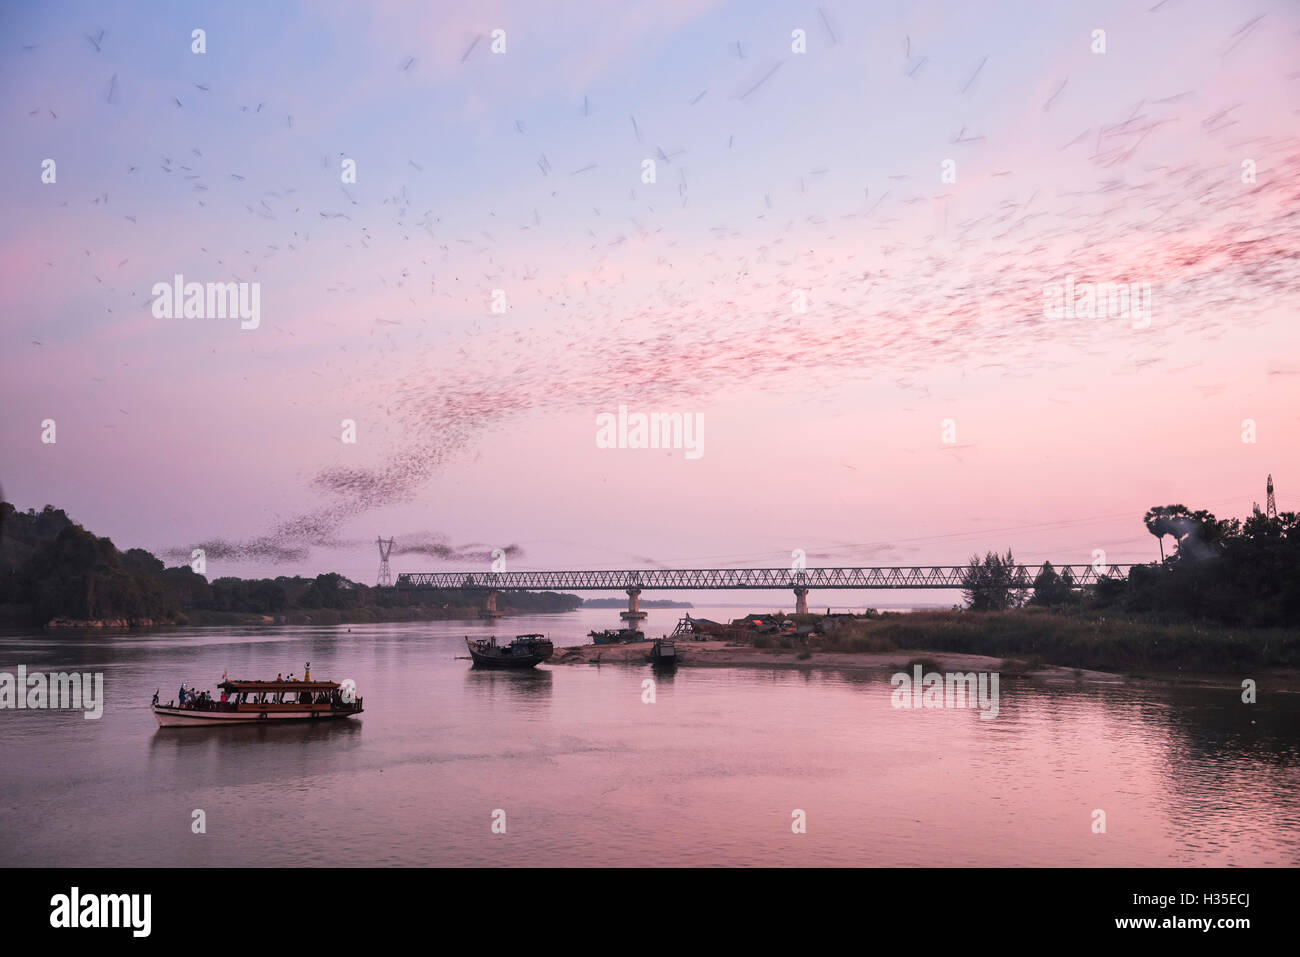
729	655
340	616
1092	641
1031	643
719	654
300	616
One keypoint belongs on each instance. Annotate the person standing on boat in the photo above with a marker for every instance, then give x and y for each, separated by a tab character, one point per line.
155	695
306	675
182	694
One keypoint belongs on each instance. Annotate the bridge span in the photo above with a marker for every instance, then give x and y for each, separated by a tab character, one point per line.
798	580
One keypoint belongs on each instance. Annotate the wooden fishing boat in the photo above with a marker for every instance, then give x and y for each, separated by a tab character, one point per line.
526	651
616	636
249	702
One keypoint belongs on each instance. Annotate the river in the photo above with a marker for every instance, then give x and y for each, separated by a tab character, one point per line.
587	773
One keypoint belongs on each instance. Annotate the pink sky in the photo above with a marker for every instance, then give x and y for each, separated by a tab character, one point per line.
823	429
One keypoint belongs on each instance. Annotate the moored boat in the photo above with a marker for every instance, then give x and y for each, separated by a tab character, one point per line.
526	651
663	654
249	702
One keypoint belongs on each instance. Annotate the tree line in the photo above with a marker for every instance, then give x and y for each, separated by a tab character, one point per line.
1244	573
53	568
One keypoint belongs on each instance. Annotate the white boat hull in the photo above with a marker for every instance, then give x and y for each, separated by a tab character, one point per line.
186	718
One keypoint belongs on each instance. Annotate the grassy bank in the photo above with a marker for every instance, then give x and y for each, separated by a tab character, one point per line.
1096	642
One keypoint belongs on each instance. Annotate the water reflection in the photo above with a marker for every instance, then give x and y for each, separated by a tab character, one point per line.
662	677
591	773
516	682
255	734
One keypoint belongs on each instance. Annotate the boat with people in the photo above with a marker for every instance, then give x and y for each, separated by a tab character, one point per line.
526	651
249	702
616	636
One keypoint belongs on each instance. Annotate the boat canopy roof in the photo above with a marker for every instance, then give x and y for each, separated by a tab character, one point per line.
237	686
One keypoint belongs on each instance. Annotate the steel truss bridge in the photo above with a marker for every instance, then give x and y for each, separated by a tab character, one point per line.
918	576
800	580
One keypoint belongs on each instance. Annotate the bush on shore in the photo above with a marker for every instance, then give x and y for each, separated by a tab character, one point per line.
1083	640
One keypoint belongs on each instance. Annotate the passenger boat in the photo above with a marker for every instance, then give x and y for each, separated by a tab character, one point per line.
248	702
526	651
663	654
616	636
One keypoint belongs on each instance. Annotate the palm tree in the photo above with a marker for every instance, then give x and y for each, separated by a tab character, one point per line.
1159	522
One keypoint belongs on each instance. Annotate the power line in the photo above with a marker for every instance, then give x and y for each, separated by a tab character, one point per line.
949	536
385	576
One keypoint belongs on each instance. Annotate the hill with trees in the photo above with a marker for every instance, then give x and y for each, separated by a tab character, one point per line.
53	570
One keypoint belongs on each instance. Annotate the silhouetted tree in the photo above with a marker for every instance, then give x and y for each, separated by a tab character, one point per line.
331	590
1160	520
994	584
1051	588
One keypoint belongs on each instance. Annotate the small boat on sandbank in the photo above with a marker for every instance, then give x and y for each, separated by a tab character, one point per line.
663	654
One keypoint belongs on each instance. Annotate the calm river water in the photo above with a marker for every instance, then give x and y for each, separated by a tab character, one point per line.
588	774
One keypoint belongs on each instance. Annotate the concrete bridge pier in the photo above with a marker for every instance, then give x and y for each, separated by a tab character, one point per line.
490	605
801	601
634	612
